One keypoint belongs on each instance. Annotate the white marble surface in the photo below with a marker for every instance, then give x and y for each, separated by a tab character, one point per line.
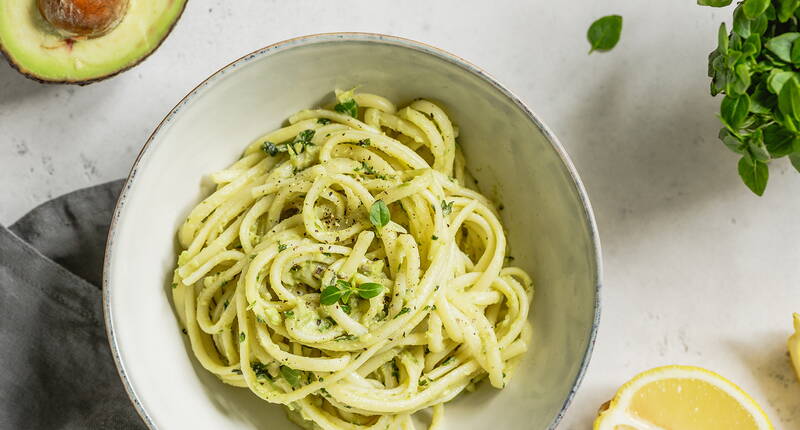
697	269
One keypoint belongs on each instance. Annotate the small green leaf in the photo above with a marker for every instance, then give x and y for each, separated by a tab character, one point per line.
782	45
330	295
345	289
789	99
714	3
731	141
741	23
779	141
291	376
776	79
755	143
347	107
795	159
754	174
604	33
379	214
786	9
754	8
369	290
722	39
403	311
734	109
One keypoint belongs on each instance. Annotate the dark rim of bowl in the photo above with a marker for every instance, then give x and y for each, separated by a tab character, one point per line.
357	37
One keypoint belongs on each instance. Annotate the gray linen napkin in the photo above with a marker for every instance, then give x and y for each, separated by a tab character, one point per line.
56	370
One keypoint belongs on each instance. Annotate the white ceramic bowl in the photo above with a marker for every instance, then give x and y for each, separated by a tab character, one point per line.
549	220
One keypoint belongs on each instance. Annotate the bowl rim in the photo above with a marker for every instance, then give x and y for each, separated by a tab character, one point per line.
368	37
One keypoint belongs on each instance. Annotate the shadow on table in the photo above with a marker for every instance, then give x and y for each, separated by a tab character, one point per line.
648	151
769	360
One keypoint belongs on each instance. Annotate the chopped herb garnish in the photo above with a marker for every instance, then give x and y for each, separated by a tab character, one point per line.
448	361
345	337
260	370
237	371
403	311
434	237
423	382
364	142
270	148
447	207
301	141
282	247
346	308
347	107
323	121
288	314
174	285
241	337
225	305
291	376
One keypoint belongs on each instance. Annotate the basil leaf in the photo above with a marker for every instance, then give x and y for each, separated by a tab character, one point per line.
330	295
369	290
604	33
347	107
291	376
779	141
714	3
782	45
754	174
722	39
755	143
754	8
731	141
795	159
734	109
762	101
741	23
379	214
776	79
789	99
786	9
795	54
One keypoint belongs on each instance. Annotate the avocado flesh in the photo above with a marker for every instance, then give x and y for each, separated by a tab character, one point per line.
37	50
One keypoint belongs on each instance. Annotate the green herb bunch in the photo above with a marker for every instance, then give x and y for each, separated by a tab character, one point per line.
757	68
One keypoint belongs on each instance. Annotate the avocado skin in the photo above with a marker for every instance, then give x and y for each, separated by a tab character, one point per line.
85	82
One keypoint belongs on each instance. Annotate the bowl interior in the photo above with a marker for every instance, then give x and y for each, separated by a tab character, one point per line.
549	226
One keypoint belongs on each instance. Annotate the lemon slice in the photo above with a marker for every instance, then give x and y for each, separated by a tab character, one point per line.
794	345
681	398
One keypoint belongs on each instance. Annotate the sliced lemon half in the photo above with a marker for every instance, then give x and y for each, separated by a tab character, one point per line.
794	345
681	398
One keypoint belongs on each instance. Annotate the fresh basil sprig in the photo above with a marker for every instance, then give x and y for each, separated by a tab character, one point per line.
757	67
342	290
604	33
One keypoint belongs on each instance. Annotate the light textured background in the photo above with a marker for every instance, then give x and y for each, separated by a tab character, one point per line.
697	269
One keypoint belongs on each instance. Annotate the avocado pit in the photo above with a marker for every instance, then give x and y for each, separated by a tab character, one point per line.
83	18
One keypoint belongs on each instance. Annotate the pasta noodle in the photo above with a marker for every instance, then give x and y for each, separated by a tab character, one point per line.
343	268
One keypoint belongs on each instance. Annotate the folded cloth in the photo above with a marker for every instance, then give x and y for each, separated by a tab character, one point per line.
56	370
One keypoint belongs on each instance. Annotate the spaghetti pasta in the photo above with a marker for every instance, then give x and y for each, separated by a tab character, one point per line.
343	268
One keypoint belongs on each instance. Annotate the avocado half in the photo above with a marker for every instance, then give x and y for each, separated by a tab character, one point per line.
35	48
